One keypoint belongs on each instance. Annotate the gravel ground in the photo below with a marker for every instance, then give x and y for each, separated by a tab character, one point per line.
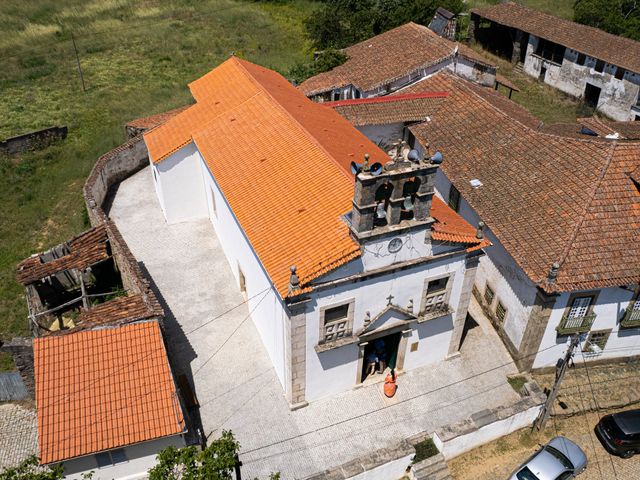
498	459
18	434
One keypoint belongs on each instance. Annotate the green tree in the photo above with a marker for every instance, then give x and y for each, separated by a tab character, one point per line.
326	60
30	470
620	17
216	462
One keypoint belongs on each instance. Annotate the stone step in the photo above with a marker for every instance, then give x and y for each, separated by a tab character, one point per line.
433	468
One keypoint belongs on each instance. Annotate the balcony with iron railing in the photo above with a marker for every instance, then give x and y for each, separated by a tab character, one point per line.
570	325
631	317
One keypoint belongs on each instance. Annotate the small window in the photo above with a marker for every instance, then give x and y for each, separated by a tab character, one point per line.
454	198
213	202
336	95
582	58
336	313
501	312
489	294
599	66
598	338
111	457
336	322
436	295
580	307
620	73
437	285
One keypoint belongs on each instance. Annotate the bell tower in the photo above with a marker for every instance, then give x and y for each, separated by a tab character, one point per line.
395	197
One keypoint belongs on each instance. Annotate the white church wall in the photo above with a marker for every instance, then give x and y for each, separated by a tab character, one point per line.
267	311
383	135
336	370
180	187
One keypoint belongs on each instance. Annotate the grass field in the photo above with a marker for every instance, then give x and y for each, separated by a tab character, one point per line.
137	57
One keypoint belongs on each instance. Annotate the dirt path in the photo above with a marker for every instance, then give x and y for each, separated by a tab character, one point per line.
498	459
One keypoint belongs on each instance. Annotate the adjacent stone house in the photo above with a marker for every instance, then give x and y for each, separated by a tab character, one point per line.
562	213
393	60
334	266
585	62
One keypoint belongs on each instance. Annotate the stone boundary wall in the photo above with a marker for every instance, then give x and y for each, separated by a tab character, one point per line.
487	425
110	169
33	140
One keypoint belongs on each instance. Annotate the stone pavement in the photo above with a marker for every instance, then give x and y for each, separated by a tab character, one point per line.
18	434
235	383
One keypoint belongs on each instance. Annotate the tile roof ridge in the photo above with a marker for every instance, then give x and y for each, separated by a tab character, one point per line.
385	99
288	114
587	205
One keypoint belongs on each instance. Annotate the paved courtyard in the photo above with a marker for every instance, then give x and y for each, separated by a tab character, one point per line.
18	434
212	340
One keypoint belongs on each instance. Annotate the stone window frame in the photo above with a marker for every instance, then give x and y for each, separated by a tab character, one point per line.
484	294
348	332
447	290
591	293
604	334
505	312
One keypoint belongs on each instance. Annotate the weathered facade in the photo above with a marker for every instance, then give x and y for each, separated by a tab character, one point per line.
326	277
534	309
584	62
380	65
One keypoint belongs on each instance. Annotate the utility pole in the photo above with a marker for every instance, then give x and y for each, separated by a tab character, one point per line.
75	49
561	368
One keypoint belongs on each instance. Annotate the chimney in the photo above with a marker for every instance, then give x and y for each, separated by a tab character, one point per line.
294	282
553	272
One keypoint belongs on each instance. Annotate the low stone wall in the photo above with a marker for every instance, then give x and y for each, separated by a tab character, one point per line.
487	425
110	169
33	140
383	464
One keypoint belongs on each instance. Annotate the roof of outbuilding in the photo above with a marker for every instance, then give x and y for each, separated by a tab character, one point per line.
102	389
151	121
299	150
613	49
388	109
546	198
383	59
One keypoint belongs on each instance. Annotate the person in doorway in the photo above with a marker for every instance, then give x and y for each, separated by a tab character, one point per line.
372	363
381	352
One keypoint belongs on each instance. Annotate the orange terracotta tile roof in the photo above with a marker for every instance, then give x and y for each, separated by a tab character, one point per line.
383	59
547	198
102	389
619	51
626	130
388	109
299	151
451	227
146	123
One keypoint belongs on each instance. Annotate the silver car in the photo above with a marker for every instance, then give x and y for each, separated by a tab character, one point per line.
560	459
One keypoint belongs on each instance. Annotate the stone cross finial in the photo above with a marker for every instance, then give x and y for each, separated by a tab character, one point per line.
480	230
553	272
365	166
294	282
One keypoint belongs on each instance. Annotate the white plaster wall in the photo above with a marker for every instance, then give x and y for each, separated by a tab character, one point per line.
267	311
336	370
180	187
486	434
383	135
142	457
389	471
511	285
617	96
609	309
375	254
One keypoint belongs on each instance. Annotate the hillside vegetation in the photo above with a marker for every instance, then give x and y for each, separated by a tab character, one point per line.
137	58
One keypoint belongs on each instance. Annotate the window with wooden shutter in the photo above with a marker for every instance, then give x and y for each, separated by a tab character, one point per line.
489	294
